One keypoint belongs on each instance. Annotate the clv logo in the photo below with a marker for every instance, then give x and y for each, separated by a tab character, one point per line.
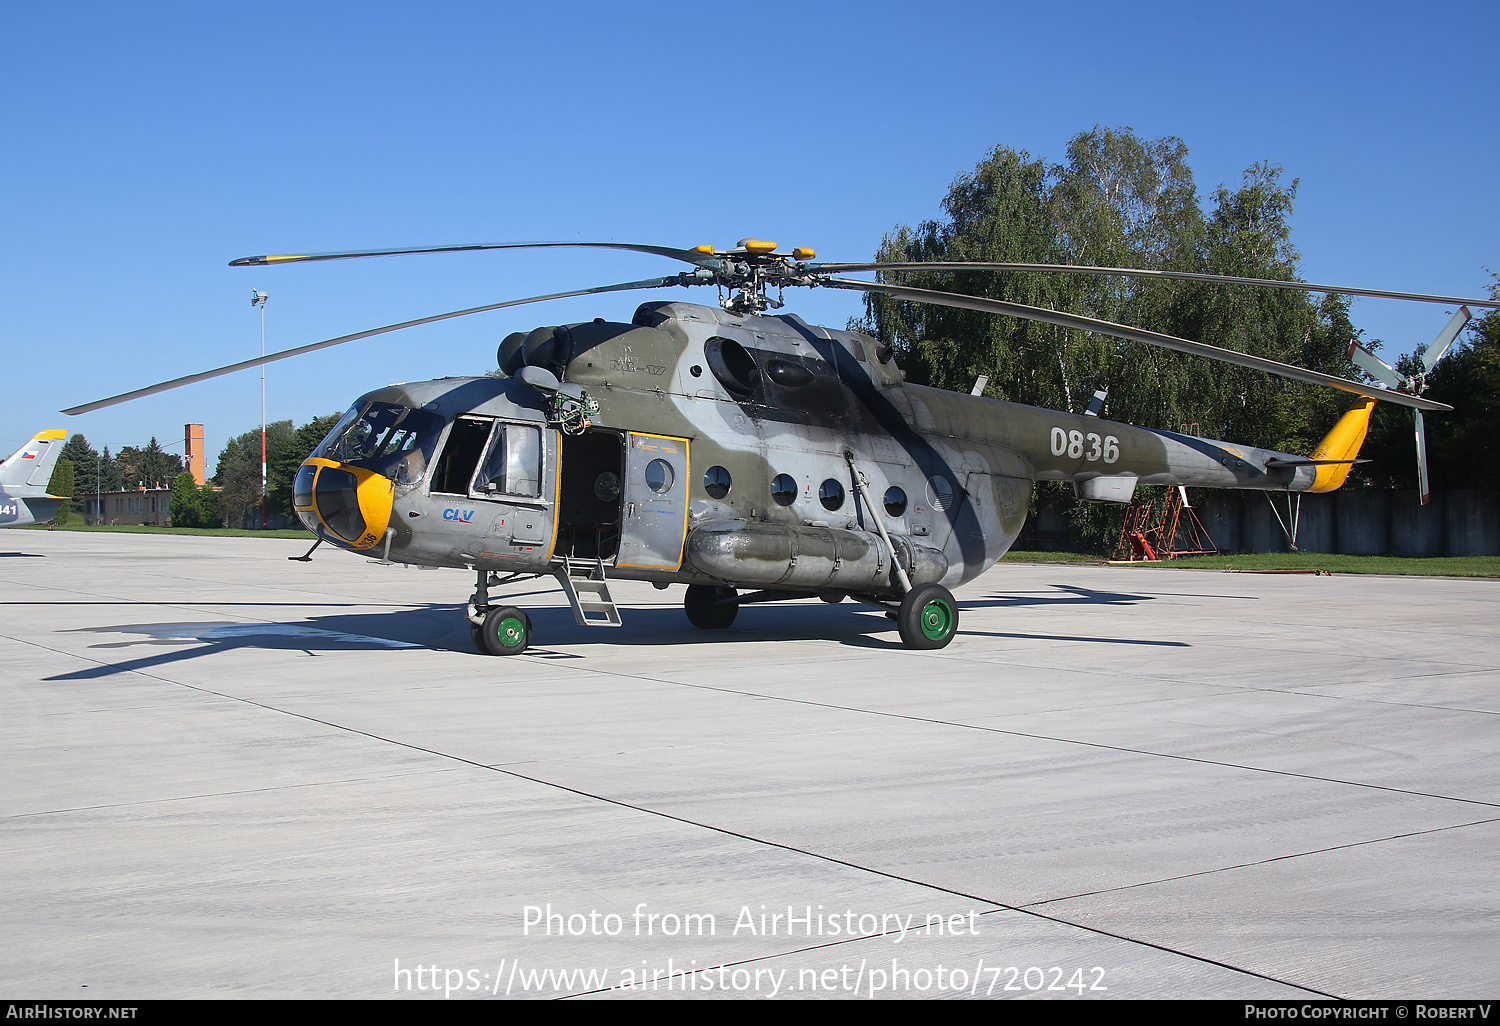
461	515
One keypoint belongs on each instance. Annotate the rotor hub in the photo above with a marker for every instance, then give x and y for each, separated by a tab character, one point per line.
749	269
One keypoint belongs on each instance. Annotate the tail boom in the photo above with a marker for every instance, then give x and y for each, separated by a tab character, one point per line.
1341	444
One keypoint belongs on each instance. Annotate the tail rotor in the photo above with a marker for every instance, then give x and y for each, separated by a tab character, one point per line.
1413	384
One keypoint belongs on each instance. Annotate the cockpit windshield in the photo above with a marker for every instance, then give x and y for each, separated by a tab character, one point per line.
392	440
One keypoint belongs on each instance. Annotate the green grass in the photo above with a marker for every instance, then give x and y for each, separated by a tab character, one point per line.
208	532
1438	566
1053	557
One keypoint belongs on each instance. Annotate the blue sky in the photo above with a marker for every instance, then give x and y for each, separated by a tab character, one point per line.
143	146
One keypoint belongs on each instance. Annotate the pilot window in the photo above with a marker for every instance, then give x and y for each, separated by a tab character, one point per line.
513	464
461	455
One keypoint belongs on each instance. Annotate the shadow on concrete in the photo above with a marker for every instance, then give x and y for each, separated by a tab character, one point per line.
658	626
189	640
843	623
442	627
206	602
1070	637
1062	595
247	605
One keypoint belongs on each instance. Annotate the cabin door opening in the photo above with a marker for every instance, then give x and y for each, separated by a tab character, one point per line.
590	499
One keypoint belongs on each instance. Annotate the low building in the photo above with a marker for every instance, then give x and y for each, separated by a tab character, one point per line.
149	506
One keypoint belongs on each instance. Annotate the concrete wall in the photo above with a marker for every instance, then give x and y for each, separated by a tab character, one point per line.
1356	522
1473	524
1261	530
1418	530
1048	530
1220	518
1363	522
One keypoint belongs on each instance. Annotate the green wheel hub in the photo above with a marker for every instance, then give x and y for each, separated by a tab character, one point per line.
511	631
506	630
937	620
928	617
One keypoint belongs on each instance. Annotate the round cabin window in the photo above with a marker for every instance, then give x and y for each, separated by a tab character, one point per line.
831	494
716	482
659	476
607	486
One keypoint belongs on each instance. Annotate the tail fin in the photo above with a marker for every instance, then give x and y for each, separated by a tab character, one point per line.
29	468
1342	443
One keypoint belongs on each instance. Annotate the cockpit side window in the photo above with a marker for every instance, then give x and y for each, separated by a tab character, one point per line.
512	463
461	455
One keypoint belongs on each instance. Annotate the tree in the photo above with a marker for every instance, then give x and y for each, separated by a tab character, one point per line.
113	477
61	483
283	470
1120	201
238	471
87	468
193	506
149	467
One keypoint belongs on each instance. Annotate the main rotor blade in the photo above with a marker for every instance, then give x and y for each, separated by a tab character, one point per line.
141	393
687	256
1131	272
1182	345
1445	339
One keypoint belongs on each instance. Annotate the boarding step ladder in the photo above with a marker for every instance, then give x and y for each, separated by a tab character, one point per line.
588	592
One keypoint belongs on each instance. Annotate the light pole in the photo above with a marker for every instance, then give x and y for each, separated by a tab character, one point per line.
258	298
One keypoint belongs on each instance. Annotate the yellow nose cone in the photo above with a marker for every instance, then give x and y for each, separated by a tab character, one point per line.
759	246
352	504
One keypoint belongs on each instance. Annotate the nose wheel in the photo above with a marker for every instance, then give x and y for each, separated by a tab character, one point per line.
505	630
496	630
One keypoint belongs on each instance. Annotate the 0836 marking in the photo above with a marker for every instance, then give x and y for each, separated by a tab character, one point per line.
1089	446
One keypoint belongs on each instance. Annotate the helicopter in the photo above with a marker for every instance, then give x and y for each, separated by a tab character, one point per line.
745	453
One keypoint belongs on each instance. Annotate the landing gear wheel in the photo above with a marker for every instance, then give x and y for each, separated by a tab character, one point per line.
703	609
506	631
928	617
476	634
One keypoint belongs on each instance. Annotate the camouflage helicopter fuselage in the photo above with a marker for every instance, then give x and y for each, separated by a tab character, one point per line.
738	445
